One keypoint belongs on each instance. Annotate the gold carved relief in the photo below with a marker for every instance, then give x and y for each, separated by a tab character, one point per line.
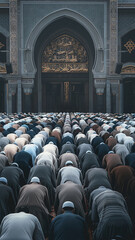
66	91
128	69
130	46
65	54
1	45
3	68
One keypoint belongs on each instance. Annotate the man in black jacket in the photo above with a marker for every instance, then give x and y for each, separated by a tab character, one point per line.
7	200
15	178
24	160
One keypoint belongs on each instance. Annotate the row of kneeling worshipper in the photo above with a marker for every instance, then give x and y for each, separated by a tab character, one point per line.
67	176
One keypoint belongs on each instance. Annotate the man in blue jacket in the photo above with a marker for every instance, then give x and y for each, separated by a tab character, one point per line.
68	225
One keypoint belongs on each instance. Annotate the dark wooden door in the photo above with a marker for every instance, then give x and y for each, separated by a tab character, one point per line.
64	96
129	95
53	97
77	97
73	97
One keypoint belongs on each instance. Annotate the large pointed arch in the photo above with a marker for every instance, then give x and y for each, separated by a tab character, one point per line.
30	69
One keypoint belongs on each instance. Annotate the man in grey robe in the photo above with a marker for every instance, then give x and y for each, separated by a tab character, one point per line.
109	215
20	226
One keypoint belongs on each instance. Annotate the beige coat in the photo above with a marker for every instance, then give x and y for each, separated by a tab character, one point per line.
21	142
25	135
10	150
12	137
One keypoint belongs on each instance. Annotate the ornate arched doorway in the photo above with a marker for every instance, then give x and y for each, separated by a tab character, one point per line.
65	75
64	56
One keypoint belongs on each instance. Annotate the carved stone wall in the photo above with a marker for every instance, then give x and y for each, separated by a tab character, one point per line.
115	87
27	85
113	35
13	35
100	86
12	89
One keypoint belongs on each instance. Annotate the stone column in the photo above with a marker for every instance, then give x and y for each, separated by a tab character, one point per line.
19	96
6	96
90	91
121	96
113	36
13	52
100	87
115	93
113	57
108	96
27	89
11	92
13	35
40	91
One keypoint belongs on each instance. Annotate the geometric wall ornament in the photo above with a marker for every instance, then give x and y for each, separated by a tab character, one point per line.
130	46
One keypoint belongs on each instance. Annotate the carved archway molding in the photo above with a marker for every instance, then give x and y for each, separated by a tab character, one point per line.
126	30
12	85
29	65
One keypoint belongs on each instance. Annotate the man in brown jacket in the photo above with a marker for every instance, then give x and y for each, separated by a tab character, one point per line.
68	156
110	161
34	196
120	177
70	191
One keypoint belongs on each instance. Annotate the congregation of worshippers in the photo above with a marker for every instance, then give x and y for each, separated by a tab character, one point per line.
67	176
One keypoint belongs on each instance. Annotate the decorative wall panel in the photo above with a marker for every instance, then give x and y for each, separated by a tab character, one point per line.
65	54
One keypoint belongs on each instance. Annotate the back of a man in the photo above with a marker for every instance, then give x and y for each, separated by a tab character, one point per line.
20	226
7	200
69	173
34	196
47	178
110	216
73	192
15	177
68	225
